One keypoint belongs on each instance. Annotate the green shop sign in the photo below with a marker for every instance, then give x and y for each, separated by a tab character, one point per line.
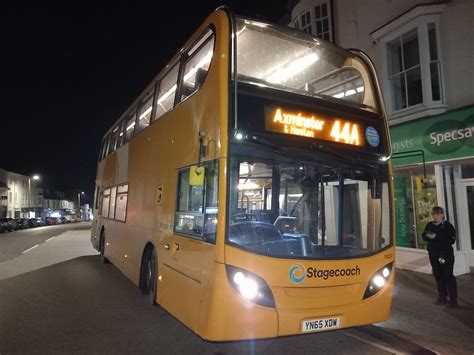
442	137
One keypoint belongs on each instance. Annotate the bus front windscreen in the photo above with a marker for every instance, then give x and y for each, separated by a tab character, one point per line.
289	60
292	210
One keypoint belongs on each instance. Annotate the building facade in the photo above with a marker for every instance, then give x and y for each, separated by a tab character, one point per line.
424	55
18	196
21	196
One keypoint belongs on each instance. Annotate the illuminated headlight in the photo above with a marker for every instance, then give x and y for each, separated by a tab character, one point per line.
378	281
250	286
239	136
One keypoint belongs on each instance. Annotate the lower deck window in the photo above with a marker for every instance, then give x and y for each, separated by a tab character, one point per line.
114	203
196	212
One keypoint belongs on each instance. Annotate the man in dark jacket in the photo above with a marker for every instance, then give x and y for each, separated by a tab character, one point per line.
441	235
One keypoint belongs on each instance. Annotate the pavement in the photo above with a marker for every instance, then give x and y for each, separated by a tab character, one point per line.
13	244
58	298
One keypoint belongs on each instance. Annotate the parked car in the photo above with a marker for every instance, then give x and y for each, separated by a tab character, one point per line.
49	221
40	221
22	223
65	219
5	225
35	222
75	218
9	224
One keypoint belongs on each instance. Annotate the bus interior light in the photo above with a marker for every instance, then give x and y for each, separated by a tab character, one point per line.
292	68
250	286
147	111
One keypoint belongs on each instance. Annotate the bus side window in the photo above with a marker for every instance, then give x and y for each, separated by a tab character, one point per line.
106	144
144	113
196	212
97	197
197	64
129	126
105	203
167	92
113	140
121	204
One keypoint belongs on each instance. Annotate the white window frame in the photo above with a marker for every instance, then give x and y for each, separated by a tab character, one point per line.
418	18
308	24
310	6
329	17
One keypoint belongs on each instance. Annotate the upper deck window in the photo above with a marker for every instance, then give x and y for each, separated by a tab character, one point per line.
129	127
197	64
144	113
289	60
113	140
167	92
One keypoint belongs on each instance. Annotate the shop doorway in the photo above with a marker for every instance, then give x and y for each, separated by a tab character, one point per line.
470	212
465	228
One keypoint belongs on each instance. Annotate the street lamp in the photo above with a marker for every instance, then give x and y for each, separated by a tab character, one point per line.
79	203
35	177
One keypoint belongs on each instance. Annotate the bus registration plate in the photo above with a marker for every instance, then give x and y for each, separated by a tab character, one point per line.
317	325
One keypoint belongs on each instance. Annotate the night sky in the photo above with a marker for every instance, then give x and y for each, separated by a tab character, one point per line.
70	69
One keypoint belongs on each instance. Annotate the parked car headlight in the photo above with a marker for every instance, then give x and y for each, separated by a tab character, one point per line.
250	286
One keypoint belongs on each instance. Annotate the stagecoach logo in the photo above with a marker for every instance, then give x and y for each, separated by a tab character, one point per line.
297	273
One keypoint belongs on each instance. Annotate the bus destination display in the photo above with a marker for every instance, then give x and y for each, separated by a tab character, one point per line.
318	126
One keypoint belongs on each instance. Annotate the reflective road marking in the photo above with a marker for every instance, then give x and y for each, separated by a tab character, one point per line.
27	250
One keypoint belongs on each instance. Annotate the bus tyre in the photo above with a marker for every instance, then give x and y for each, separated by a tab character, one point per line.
148	275
103	259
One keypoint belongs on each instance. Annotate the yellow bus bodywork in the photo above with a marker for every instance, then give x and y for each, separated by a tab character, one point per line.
193	285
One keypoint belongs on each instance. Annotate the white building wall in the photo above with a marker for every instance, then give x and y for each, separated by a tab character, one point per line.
22	192
457	47
355	20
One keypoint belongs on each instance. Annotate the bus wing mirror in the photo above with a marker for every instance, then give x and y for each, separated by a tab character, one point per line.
196	175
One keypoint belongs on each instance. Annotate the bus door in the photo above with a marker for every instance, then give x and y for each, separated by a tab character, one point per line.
193	242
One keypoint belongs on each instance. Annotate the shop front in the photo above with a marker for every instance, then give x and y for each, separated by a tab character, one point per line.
434	165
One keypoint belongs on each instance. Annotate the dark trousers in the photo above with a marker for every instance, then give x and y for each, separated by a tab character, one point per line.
443	274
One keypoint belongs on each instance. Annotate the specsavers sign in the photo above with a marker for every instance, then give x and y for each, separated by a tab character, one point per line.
442	137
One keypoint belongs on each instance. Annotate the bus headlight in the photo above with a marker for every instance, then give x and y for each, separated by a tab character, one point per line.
250	286
378	281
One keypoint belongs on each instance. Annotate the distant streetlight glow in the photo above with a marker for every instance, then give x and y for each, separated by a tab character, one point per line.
36	177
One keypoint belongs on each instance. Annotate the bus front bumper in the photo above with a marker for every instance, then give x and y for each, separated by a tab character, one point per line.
225	315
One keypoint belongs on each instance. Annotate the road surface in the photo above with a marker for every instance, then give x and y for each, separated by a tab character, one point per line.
65	301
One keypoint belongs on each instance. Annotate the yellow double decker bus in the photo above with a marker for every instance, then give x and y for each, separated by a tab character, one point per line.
248	189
